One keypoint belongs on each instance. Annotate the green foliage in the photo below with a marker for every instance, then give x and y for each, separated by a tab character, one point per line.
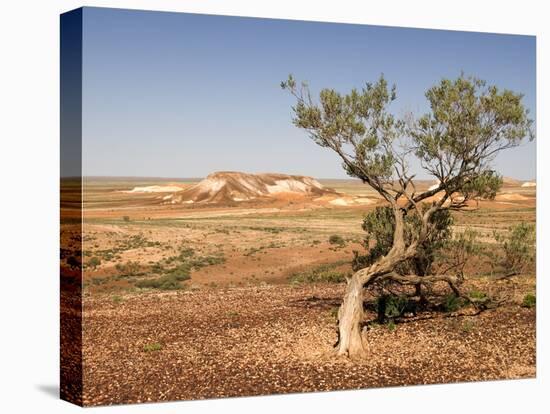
129	269
169	281
207	261
518	247
468	124
379	225
96	281
467	326
153	347
393	306
166	282
181	272
485	185
117	299
176	269
359	118
334	312
452	303
529	301
337	240
476	294
94	262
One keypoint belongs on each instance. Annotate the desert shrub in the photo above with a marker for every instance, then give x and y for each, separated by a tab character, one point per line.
167	282
94	262
96	281
252	251
207	261
130	268
325	273
452	303
117	299
529	301
518	247
337	240
157	268
152	347
477	294
393	306
181	272
186	253
126	218
468	326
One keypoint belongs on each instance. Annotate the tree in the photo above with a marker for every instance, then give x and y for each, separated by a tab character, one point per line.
468	124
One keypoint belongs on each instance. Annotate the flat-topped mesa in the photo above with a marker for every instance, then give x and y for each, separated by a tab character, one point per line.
233	186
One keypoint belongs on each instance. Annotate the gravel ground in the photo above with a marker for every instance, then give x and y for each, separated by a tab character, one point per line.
212	343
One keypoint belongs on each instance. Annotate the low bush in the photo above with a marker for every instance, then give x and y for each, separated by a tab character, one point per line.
390	307
518	248
94	262
468	326
529	301
152	347
322	274
337	240
130	268
452	303
117	299
476	294
166	282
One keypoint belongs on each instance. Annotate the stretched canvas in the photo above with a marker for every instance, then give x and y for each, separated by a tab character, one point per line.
260	206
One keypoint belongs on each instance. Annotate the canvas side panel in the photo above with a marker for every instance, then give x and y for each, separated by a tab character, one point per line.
71	381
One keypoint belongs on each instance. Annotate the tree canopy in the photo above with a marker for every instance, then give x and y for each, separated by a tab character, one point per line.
469	123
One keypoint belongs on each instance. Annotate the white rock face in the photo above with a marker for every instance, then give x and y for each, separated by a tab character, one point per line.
529	184
232	186
155	189
339	202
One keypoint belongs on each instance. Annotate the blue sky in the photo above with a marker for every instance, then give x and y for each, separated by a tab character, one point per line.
183	95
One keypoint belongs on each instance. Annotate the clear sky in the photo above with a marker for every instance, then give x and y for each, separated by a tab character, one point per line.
183	95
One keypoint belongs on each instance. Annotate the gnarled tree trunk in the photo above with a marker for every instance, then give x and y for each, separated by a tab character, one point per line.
350	314
350	318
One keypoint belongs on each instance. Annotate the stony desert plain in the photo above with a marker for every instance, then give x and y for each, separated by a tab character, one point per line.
235	297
